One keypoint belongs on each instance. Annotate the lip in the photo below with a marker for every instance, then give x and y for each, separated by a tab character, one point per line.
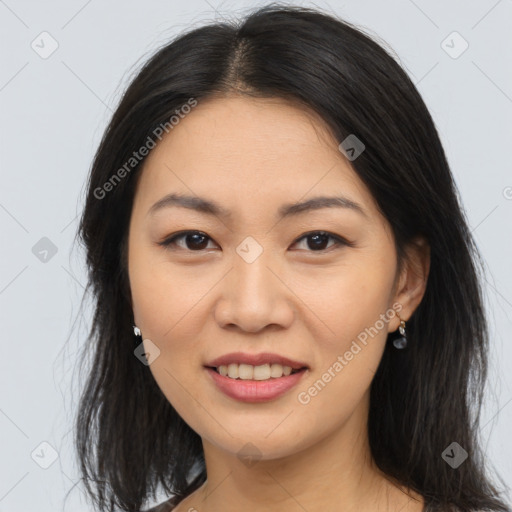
256	360
255	390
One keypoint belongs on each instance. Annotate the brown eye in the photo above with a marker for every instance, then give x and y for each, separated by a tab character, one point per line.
194	240
317	241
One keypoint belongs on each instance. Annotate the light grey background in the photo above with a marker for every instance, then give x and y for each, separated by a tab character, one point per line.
54	111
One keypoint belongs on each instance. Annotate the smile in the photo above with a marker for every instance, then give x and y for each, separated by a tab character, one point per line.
250	372
262	387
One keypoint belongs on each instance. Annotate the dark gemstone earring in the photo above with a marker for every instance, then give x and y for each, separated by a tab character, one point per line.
401	342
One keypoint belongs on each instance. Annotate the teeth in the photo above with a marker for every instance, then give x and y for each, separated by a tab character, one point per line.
233	371
249	372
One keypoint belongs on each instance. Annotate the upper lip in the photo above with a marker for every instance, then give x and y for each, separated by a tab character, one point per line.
255	360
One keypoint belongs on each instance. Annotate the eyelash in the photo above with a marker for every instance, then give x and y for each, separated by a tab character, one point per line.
169	241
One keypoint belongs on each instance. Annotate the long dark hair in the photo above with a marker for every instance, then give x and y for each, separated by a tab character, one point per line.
129	439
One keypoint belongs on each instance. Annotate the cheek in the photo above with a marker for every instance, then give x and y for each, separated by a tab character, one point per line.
165	296
167	307
349	298
352	316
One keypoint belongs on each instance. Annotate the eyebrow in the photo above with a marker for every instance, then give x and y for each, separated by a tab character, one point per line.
210	207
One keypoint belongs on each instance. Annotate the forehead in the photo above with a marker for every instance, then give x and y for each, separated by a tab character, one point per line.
243	150
261	129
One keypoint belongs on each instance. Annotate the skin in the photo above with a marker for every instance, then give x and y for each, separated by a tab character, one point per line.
252	156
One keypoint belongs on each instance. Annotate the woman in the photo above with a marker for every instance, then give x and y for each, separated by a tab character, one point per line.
288	310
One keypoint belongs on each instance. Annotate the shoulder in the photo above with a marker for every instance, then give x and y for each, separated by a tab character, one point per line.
166	506
178	503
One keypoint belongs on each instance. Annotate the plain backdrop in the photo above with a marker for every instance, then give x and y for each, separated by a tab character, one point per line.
63	68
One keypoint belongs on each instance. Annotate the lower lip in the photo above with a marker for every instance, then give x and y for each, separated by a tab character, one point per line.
255	390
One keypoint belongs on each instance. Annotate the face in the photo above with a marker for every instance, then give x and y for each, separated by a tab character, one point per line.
316	285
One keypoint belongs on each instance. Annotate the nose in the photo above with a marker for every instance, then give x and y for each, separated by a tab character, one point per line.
254	297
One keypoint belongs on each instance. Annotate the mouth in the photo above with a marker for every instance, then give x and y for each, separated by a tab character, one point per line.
256	373
263	383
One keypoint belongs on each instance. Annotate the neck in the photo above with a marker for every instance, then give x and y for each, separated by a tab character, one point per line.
336	473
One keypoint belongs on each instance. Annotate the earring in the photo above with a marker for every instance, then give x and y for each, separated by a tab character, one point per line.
401	342
136	331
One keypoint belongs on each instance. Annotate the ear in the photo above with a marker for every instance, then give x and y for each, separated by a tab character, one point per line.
412	281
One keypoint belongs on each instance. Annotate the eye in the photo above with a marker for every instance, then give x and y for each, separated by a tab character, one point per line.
196	241
318	239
